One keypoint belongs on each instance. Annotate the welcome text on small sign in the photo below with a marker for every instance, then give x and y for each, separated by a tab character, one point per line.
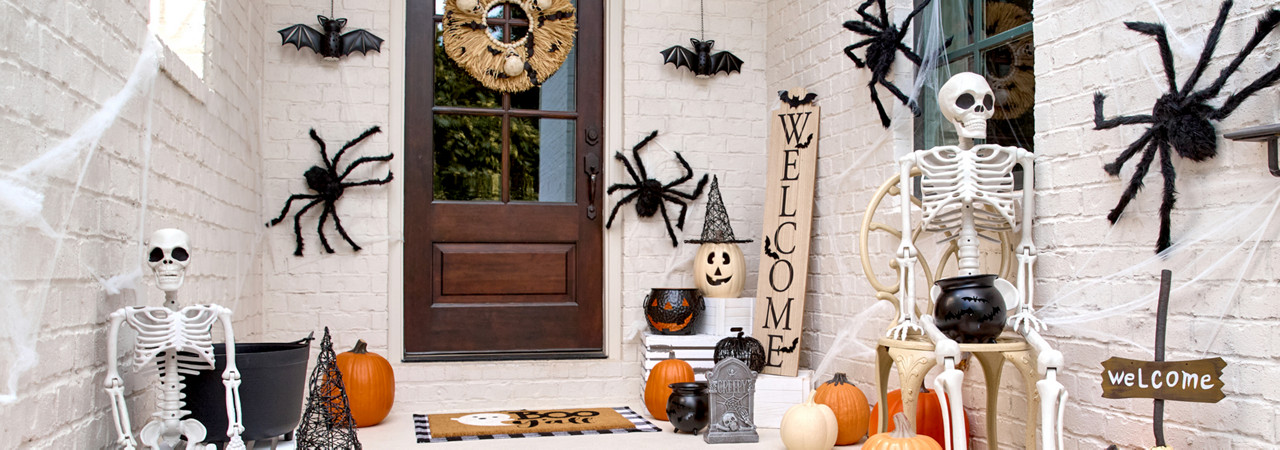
1187	381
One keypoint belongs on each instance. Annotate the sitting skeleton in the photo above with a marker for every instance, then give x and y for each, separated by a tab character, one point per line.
175	342
966	189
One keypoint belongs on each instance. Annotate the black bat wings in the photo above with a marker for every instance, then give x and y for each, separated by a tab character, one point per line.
700	60
331	43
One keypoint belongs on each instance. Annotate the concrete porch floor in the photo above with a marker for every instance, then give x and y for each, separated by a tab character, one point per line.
396	432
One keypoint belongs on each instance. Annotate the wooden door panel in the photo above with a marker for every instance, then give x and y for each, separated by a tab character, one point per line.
502	330
489	272
520	222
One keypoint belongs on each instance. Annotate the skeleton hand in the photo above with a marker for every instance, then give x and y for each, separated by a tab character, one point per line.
901	330
1026	321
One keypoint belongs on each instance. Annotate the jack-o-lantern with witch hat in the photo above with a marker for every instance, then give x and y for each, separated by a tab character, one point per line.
718	269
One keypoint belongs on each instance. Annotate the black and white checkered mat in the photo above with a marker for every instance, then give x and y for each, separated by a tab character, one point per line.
422	429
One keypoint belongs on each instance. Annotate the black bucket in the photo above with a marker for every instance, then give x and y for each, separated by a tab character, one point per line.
272	380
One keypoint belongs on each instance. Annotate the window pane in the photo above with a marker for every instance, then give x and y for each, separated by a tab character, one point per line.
542	160
1011	73
555	94
468	158
1003	16
957	22
932	129
456	87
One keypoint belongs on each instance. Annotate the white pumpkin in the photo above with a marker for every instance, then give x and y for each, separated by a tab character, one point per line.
809	426
719	270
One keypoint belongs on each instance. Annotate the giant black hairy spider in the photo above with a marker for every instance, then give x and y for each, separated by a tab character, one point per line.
649	194
329	185
883	43
1180	118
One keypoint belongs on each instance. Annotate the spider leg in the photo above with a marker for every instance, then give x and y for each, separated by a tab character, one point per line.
1135	183
618	156
903	29
1210	44
353	142
1102	123
1113	168
667	220
884	118
622	201
621	186
328	209
848	51
323	154
635	154
370	182
1170	196
1162	41
684	207
881	22
297	226
688	175
911	55
287	205
1265	26
337	223
362	160
915	109
861	28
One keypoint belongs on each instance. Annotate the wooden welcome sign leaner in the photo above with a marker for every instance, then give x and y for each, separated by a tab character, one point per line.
788	219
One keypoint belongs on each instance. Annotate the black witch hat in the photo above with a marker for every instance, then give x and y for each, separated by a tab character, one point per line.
716	228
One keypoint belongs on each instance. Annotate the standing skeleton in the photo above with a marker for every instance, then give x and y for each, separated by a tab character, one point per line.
965	189
177	342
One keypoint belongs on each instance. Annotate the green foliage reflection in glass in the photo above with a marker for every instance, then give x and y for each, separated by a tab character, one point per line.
468	149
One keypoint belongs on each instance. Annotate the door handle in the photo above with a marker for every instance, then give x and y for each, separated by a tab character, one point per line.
591	167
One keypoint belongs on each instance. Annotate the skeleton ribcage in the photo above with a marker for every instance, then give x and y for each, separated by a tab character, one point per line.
981	177
187	332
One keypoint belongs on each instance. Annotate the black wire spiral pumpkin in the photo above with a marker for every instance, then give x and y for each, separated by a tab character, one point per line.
745	348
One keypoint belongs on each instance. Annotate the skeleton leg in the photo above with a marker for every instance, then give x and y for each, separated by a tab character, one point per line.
115	387
948	382
1053	395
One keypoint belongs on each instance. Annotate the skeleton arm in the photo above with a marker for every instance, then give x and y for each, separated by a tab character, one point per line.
1024	319
906	256
115	386
231	379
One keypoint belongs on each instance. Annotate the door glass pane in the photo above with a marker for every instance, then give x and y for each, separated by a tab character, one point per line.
556	93
956	17
542	160
468	158
456	87
1011	73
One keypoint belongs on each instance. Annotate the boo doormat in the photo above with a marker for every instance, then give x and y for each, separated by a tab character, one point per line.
528	423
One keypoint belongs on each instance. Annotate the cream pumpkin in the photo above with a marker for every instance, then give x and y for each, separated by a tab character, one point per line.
809	426
719	270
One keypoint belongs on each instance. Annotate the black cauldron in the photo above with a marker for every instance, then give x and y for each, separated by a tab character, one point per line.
272	380
672	310
688	406
970	308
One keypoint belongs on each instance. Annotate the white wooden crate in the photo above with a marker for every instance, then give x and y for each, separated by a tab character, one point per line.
723	314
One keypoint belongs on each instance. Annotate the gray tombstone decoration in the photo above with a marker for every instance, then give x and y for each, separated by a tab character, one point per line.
732	387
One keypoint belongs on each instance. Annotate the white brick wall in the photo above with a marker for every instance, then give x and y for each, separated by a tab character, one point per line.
59	61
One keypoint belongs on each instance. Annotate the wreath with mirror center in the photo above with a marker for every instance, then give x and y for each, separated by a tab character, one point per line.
484	37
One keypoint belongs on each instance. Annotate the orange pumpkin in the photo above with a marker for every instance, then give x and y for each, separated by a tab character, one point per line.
370	384
904	437
850	406
657	389
928	414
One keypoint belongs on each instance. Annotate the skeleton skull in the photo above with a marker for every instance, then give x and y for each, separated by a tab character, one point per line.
168	257
967	102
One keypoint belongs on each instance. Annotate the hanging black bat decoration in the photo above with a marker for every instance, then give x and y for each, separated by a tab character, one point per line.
331	43
700	60
794	101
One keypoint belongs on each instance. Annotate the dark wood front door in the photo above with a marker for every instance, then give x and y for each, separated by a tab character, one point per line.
503	236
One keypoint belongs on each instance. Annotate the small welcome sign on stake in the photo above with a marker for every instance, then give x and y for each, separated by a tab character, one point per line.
788	219
1187	381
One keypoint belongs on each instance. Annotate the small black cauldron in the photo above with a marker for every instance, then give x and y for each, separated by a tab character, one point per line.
970	308
688	407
